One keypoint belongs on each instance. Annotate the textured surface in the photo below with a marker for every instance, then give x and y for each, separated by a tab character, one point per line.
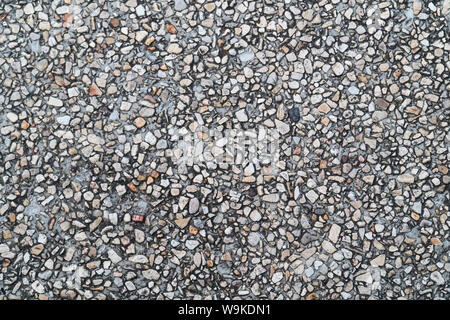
98	200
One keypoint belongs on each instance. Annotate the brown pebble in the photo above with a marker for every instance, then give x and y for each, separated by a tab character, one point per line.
114	22
24	125
193	230
140	122
182	223
37	249
171	28
94	91
132	187
155	174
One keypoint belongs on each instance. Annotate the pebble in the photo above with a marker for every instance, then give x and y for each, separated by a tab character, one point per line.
271	198
139	122
241	115
294	114
312	196
335	230
52	101
180	5
193	205
338	69
12	117
405	178
64	120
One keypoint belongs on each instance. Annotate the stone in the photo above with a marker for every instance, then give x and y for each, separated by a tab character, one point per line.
138	258
193	205
241	115
139	122
11	116
417	7
114	22
378	261
437	277
150	138
294	114
182	223
379	115
312	196
338	69
37	249
171	28
52	101
282	127
334	232
28	9
180	5
273	198
328	247
324	108
405	178
151	274
210	6
113	256
192	244
42	65
174	48
63	120
94	90
253	239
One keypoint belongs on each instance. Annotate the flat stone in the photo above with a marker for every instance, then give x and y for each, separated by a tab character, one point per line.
113	256
37	249
210	6
273	198
328	247
180	5
138	258
194	205
378	261
42	65
52	101
94	90
253	238
312	196
324	108
437	277
405	178
192	244
241	115
282	127
93	138
63	120
151	274
150	138
379	115
333	235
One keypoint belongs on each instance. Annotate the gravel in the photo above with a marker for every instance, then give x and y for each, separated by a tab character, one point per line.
230	149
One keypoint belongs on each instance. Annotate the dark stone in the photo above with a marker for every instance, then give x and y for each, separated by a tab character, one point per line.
294	114
252	192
